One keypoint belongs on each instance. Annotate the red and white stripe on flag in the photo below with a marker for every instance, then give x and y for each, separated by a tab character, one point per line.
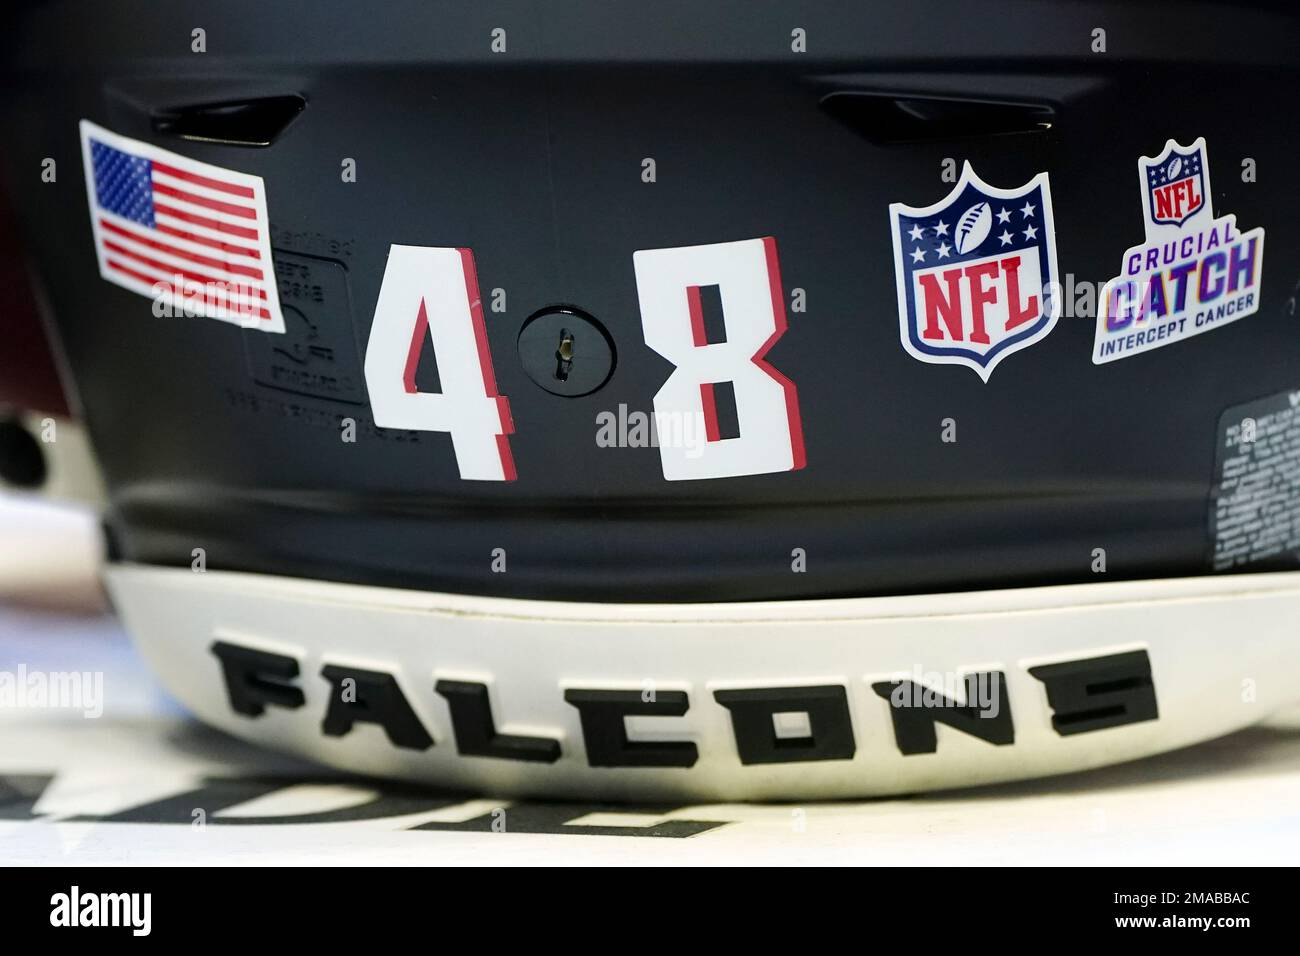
190	235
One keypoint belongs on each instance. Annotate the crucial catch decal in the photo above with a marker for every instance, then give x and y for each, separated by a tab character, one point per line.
1193	273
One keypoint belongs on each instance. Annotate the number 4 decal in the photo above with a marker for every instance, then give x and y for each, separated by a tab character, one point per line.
430	295
747	278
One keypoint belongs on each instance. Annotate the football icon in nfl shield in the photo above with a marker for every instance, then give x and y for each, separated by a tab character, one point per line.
976	272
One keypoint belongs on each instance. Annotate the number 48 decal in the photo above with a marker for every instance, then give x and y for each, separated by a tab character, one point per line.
430	295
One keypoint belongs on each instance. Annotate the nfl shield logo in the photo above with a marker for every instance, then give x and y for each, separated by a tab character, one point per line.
975	272
1177	185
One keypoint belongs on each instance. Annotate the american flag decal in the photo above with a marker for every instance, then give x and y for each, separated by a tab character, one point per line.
173	229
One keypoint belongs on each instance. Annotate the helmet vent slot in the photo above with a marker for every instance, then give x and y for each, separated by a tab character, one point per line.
889	119
254	122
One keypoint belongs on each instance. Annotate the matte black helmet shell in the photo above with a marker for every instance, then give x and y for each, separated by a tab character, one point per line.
557	141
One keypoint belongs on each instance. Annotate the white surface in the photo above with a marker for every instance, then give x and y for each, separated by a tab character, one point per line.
1232	801
1235	800
49	553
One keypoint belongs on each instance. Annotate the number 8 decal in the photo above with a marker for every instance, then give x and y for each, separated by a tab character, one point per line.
745	278
430	295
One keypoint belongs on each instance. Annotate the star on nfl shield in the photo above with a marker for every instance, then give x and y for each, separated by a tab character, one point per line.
976	272
193	237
